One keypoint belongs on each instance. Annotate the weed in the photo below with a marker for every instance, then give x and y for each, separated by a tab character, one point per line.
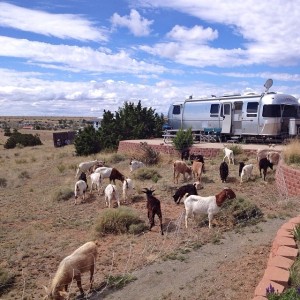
63	194
117	220
61	168
24	175
296	232
3	182
151	156
137	228
6	280
119	281
147	174
237	149
116	158
291	153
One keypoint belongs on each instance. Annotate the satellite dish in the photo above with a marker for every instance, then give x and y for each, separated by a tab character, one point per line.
268	84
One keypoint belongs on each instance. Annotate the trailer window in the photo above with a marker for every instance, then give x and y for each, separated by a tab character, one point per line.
176	110
289	111
271	111
227	109
252	109
214	110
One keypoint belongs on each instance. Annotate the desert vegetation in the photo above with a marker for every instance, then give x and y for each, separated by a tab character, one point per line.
40	224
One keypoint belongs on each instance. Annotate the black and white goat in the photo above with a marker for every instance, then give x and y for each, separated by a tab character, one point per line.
264	164
189	189
153	207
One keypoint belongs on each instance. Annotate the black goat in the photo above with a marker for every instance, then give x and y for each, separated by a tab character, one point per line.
189	189
153	207
264	164
185	154
83	177
241	166
224	171
115	174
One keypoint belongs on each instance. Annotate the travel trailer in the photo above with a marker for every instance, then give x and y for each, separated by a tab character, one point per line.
269	116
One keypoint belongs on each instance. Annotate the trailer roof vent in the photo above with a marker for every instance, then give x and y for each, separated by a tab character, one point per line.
231	94
250	93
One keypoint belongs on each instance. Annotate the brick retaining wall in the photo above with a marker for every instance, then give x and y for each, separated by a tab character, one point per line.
287	180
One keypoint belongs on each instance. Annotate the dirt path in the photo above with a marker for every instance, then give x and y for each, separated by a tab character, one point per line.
230	269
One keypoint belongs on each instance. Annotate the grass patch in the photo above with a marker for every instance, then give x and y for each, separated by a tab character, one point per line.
6	281
291	153
118	221
24	175
63	194
147	174
119	281
116	158
237	149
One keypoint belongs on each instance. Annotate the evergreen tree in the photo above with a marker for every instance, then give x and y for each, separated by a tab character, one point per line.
87	141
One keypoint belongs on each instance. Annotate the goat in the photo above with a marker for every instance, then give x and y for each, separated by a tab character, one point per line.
185	154
115	174
228	154
128	188
104	171
246	172
80	189
273	157
98	165
211	205
189	189
111	193
198	157
71	267
83	177
153	207
135	164
241	166
180	167
264	152
85	166
197	169
224	171
264	164
96	179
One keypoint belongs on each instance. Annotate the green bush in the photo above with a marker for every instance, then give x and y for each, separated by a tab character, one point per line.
138	228
236	149
119	281
151	156
183	139
116	220
116	158
63	194
22	139
289	294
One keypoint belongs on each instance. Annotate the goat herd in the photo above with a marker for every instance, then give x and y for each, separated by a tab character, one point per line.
83	259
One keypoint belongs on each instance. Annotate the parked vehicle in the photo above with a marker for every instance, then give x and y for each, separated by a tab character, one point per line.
250	116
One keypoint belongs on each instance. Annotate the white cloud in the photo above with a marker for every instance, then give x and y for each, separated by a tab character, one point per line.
74	58
138	25
197	34
64	26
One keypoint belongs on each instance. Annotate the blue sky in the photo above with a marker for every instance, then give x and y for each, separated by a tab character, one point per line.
80	57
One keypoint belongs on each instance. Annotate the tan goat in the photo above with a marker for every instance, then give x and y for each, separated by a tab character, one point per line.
180	167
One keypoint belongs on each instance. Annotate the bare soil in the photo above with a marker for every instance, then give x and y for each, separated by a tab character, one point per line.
37	231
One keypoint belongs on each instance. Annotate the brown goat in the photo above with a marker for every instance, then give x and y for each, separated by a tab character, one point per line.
115	174
153	207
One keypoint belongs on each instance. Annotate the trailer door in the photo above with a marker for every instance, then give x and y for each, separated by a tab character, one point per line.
226	124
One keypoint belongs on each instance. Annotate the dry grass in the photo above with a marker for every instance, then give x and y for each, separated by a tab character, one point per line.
37	231
291	153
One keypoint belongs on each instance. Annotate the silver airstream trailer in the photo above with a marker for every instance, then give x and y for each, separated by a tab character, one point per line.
250	116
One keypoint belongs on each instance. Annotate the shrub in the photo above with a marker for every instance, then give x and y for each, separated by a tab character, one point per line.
289	294
62	195
22	139
119	281
6	280
116	158
137	228
147	174
151	156
237	149
24	175
117	220
183	139
291	153
3	182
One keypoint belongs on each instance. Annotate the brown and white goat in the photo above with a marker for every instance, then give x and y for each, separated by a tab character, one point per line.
116	175
210	205
71	267
180	167
153	207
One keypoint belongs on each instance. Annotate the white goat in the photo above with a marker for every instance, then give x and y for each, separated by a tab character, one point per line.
111	193
85	166
104	171
211	205
96	179
128	188
246	172
80	189
135	164
273	157
71	267
228	154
